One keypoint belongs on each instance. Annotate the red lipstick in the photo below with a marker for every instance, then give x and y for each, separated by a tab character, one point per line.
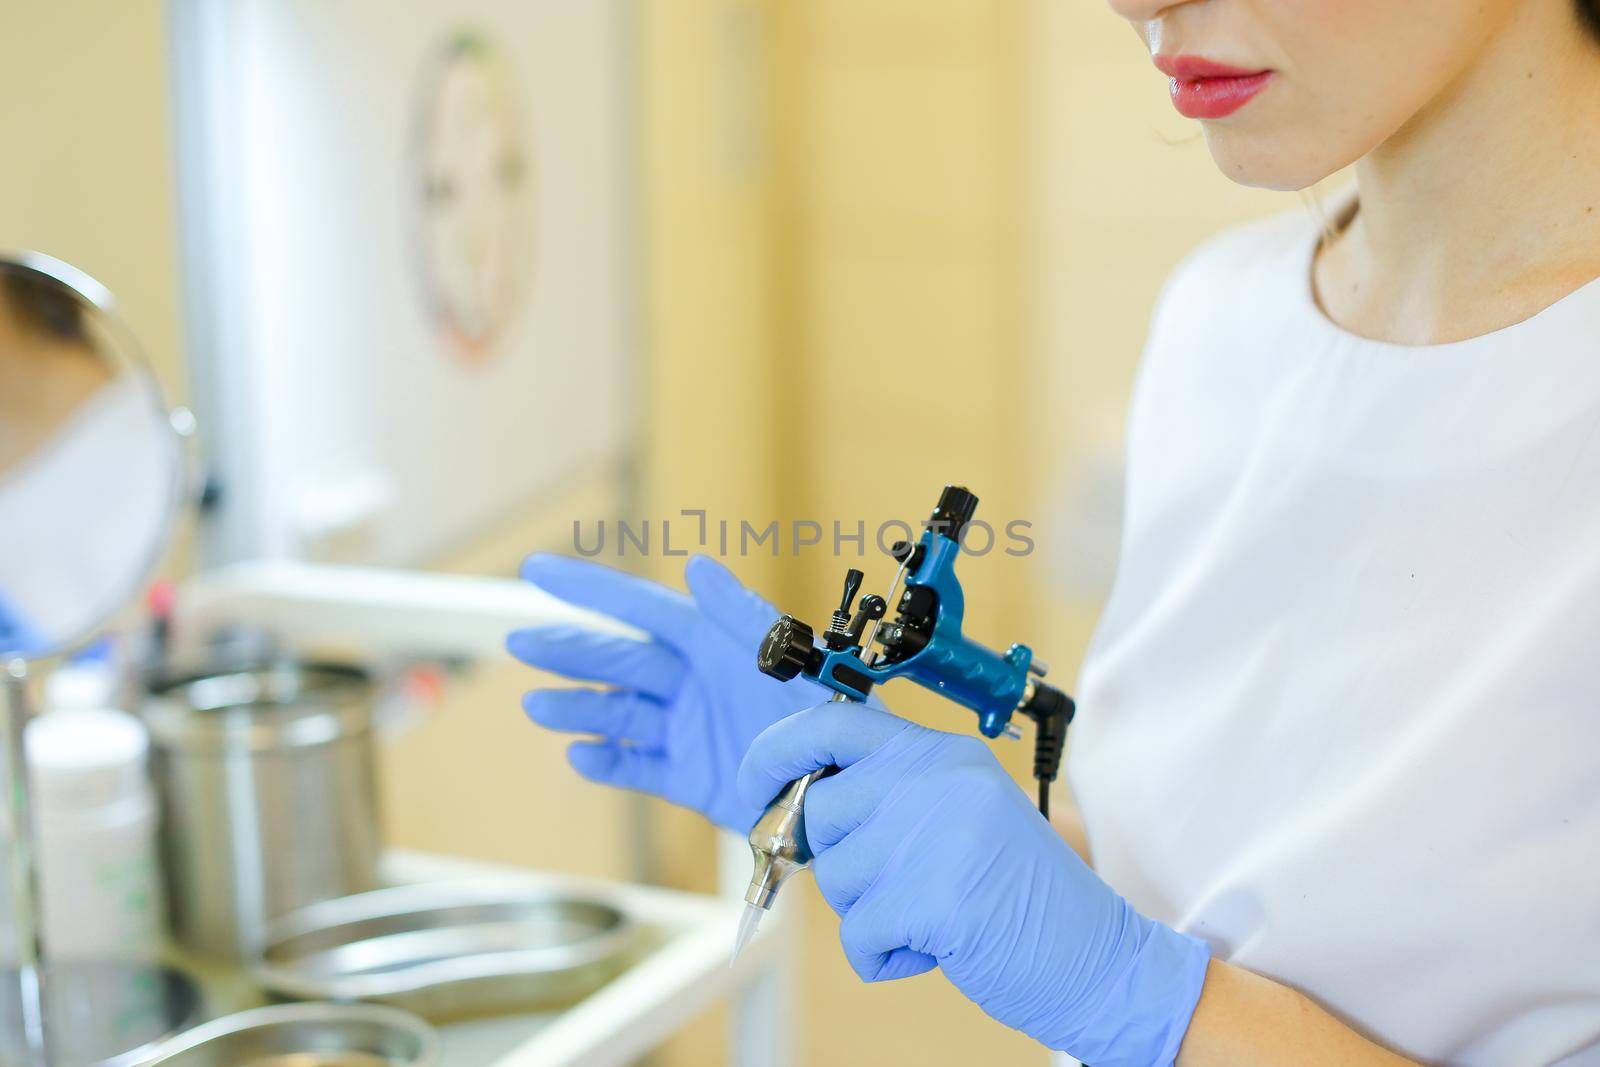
1202	89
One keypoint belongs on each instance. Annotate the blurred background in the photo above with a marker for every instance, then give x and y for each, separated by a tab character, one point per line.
441	280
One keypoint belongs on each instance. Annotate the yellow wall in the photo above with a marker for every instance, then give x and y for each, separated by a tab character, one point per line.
902	227
87	170
1121	187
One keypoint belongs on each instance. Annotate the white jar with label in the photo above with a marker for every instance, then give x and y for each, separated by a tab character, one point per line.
96	818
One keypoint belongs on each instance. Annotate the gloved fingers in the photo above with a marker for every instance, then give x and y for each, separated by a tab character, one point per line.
904	963
723	599
842	805
663	612
616	715
843	873
845	868
835	734
875	944
651	668
620	765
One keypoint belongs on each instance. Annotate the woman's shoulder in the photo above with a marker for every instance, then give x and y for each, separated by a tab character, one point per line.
1276	248
1224	309
1234	283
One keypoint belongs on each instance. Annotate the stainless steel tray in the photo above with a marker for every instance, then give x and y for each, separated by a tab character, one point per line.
108	1014
448	950
305	1035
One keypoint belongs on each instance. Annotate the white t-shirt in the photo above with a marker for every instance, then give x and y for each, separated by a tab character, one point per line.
1342	715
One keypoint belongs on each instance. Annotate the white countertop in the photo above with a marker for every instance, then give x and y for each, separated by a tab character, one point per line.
684	972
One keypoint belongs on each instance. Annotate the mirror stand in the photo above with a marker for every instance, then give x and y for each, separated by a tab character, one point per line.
23	865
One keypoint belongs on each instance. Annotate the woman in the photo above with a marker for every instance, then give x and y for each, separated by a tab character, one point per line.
1335	755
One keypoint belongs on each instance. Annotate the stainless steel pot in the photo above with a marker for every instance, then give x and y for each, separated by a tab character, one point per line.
268	795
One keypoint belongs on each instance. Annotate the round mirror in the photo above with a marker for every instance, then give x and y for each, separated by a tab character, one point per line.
90	462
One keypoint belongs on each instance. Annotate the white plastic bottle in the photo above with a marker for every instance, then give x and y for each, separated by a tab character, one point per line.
88	680
96	816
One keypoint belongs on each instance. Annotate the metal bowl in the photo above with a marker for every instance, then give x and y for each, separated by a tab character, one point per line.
108	1014
305	1035
448	950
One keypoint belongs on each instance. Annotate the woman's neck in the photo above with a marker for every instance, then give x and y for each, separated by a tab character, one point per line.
1485	208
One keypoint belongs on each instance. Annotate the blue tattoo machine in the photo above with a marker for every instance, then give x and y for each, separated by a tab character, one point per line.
923	643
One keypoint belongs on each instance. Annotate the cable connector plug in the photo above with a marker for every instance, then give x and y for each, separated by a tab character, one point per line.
1052	712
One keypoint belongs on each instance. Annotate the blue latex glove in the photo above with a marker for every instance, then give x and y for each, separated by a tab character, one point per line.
933	857
682	707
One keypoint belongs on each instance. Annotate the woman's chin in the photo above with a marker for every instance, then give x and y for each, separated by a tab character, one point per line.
1263	161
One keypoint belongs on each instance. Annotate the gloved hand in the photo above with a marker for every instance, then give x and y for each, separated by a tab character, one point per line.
682	707
933	857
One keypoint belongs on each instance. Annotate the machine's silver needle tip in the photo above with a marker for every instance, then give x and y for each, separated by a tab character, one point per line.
747	929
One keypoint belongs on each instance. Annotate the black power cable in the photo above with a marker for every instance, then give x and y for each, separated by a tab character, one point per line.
1052	711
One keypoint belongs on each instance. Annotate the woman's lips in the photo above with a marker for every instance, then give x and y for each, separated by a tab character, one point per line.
1202	89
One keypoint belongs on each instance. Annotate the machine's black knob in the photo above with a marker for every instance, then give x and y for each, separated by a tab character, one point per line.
852	585
786	649
872	607
957	505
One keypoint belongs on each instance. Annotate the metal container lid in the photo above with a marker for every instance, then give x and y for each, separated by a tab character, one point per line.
306	1035
260	707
